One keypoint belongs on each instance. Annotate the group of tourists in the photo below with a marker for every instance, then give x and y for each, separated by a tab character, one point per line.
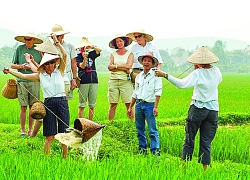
135	77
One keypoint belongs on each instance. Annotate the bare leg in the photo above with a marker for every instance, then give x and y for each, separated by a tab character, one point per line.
37	126
91	113
31	122
64	151
111	112
47	144
80	112
205	167
23	118
132	117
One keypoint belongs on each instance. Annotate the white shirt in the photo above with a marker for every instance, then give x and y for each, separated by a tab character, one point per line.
139	50
52	86
147	86
205	83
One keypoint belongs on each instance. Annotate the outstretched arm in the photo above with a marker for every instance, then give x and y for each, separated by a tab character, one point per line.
30	77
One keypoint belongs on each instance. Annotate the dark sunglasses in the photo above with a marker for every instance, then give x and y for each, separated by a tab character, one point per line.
25	39
50	62
138	36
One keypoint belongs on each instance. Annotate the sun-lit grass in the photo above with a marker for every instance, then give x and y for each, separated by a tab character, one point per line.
234	97
23	158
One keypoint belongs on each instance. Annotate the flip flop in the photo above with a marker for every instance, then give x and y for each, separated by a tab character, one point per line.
22	134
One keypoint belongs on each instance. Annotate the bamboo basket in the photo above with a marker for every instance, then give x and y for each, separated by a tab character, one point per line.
37	110
9	90
86	128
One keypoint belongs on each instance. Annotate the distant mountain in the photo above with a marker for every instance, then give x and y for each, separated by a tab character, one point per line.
7	39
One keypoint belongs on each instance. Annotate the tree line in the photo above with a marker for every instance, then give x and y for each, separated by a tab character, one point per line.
234	61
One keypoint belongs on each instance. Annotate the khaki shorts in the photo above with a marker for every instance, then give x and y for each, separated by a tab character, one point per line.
117	88
28	93
87	93
70	95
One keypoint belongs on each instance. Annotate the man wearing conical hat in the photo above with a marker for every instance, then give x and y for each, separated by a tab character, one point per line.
71	68
204	107
28	92
141	47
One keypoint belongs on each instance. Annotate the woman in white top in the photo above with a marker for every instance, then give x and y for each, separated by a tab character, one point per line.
119	84
204	107
51	77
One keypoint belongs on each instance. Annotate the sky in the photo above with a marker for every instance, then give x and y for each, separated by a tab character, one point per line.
160	18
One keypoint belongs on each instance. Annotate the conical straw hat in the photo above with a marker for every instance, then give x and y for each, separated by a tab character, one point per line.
58	30
37	110
148	37
20	37
9	90
86	128
84	43
47	47
46	57
203	56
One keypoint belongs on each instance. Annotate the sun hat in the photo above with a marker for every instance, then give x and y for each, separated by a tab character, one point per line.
148	37
148	54
58	30
84	43
20	37
112	43
203	56
46	57
47	47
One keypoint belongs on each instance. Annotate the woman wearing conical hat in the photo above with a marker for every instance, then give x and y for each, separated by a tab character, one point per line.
204	107
46	47
51	78
88	86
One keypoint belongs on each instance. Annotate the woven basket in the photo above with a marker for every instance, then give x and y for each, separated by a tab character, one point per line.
37	110
10	89
86	128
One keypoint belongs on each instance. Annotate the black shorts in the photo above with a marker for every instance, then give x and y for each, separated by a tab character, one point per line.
56	119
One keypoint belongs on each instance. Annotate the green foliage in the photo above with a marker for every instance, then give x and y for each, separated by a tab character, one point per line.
234	119
22	157
120	136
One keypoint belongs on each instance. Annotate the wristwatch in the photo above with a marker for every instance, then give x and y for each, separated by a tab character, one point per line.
166	76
